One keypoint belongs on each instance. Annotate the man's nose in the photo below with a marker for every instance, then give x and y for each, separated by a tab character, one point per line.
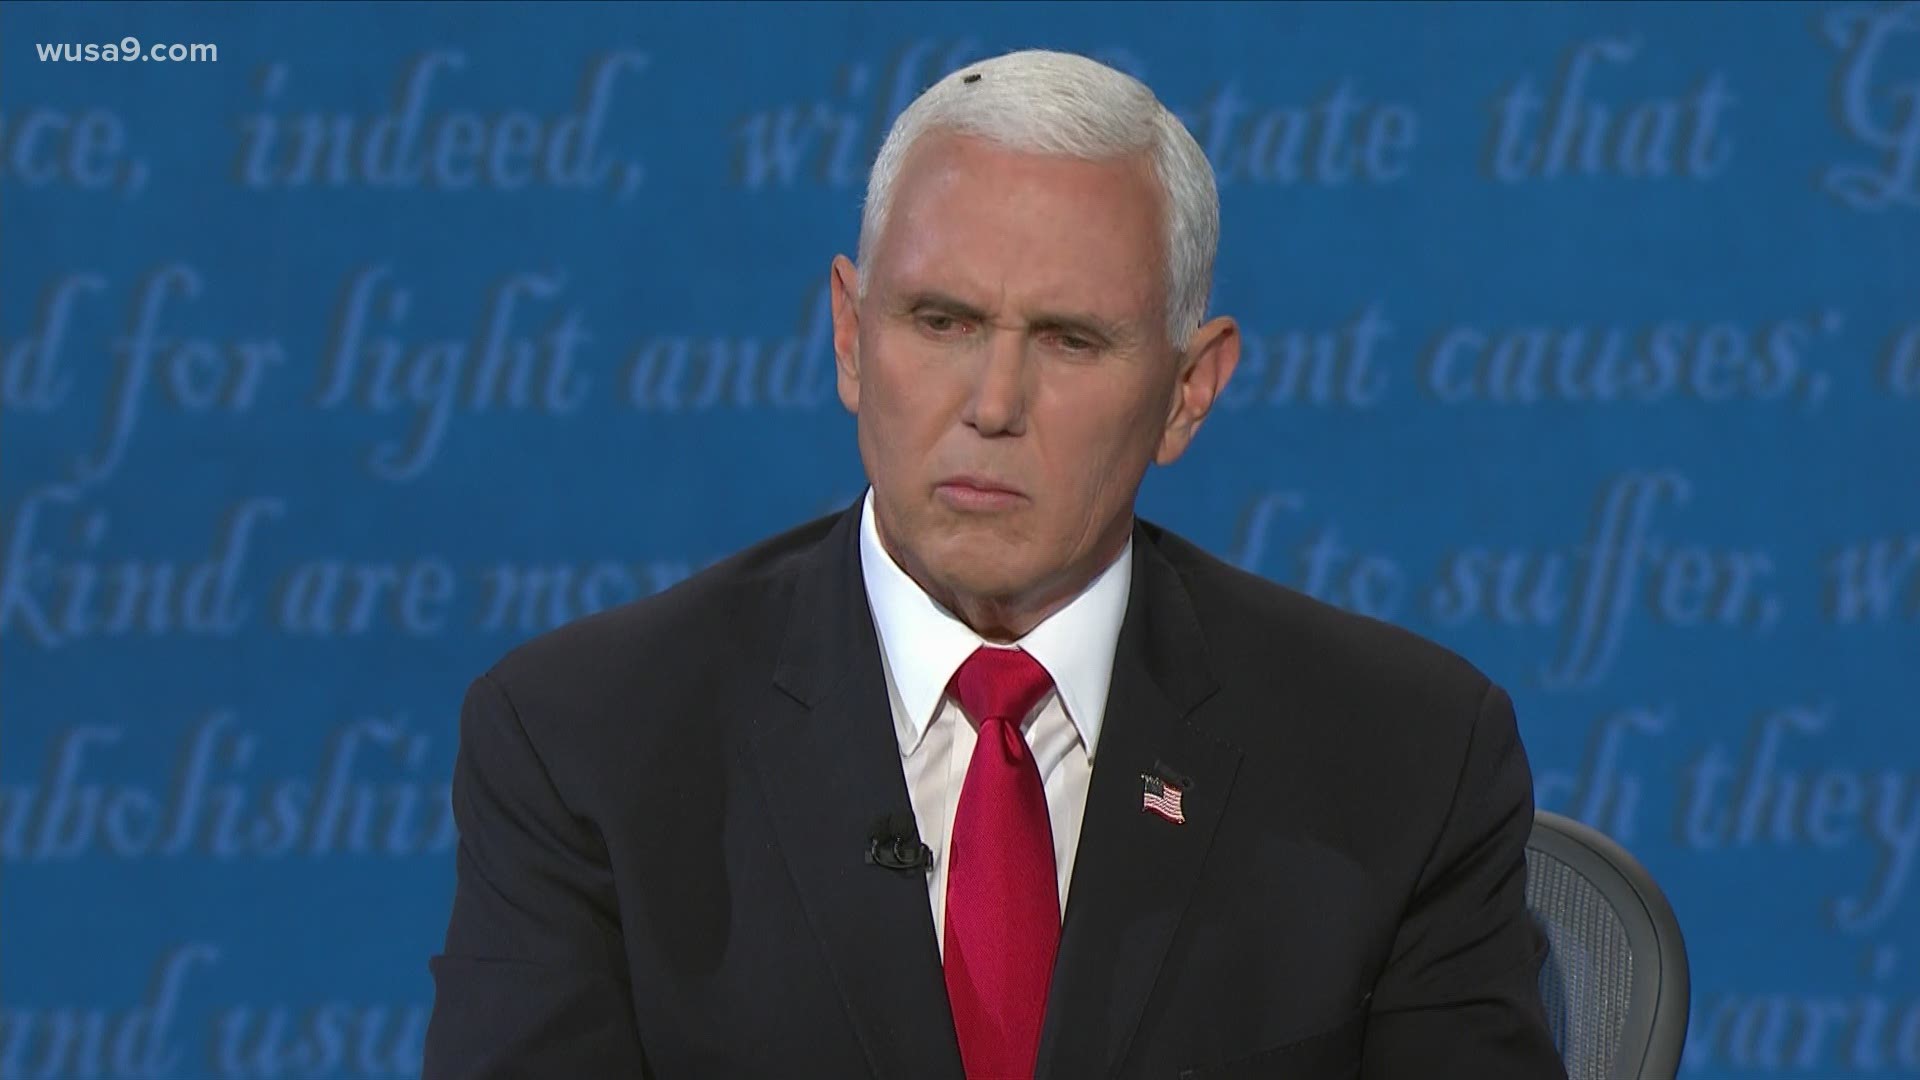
999	404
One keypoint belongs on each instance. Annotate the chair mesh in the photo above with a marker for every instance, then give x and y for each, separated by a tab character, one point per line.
1588	973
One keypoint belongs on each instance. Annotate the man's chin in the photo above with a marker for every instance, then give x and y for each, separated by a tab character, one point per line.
981	578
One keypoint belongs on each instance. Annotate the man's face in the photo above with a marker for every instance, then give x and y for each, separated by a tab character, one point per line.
1009	365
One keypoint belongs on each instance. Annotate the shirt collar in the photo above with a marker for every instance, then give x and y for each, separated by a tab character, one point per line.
923	644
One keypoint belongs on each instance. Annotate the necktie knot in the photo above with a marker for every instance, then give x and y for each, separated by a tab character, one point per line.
1000	684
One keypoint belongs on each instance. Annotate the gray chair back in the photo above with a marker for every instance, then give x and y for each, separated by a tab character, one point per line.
1615	980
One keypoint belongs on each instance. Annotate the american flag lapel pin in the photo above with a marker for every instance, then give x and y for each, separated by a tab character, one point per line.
1161	796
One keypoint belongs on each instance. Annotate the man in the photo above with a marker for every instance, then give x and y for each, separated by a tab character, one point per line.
984	774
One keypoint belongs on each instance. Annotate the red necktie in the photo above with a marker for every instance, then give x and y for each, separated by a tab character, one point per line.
1003	904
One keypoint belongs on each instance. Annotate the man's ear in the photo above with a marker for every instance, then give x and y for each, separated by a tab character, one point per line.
1212	354
844	285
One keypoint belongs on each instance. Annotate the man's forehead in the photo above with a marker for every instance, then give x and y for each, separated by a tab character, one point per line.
942	254
948	237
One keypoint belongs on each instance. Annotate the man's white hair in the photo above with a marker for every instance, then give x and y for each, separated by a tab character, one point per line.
1059	103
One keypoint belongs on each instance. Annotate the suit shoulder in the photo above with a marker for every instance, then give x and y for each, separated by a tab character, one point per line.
1251	622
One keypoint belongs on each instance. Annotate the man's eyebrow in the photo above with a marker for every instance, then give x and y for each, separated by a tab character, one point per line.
953	305
1084	323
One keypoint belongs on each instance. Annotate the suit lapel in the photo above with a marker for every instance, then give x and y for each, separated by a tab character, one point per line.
827	768
1134	871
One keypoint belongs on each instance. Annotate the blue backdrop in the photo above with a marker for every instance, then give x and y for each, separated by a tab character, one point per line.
1582	338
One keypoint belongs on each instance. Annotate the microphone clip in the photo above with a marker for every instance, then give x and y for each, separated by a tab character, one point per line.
894	843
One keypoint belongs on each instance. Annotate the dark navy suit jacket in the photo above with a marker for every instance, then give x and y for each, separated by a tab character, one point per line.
664	812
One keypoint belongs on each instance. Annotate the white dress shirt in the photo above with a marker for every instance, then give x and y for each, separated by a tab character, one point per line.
922	644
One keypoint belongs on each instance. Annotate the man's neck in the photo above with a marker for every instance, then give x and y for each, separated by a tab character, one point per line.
1006	619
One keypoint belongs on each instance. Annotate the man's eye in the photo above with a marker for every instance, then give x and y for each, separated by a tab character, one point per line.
939	324
1071	343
